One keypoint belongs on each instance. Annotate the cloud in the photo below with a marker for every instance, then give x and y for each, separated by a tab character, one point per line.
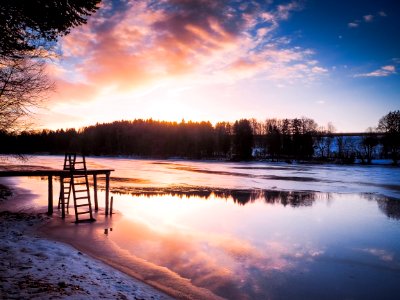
132	44
382	254
285	10
353	24
382	14
319	70
381	72
368	18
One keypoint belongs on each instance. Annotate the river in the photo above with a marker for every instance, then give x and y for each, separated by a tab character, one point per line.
243	230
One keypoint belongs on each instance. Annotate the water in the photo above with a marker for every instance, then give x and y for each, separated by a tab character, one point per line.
246	230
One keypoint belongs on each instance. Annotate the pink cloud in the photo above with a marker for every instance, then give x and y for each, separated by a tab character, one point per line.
73	91
141	43
368	18
381	72
284	11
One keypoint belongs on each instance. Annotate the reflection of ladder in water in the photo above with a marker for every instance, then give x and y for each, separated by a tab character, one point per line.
65	191
78	184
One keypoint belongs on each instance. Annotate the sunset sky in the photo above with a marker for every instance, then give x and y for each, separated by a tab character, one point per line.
333	61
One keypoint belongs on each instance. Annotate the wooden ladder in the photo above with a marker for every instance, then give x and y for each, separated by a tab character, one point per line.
66	187
81	192
77	184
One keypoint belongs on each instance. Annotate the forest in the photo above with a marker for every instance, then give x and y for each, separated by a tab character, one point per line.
245	139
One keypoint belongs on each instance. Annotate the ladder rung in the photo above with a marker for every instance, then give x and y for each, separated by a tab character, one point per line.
80	205
83	212
79	198
79	176
79	191
80	183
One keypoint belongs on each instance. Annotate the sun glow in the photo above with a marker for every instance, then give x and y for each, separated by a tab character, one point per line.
166	63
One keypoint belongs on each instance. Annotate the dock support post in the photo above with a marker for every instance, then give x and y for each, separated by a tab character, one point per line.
107	191
50	195
62	197
96	203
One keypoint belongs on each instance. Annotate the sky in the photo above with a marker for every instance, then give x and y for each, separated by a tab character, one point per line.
332	61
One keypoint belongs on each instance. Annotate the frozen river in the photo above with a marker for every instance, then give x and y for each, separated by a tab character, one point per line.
246	230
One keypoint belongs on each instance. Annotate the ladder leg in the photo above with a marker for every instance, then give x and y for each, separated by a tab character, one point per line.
75	205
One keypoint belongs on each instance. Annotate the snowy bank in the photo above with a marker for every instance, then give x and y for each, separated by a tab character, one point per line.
35	268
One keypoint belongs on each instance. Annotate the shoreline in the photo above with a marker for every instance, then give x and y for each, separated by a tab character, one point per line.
91	238
381	162
35	267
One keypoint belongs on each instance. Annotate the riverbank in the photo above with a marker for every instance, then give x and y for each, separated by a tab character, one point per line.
32	267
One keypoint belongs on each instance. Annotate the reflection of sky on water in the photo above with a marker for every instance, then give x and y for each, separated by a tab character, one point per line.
224	229
255	250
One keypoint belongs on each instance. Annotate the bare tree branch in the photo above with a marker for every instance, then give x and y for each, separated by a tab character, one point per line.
23	85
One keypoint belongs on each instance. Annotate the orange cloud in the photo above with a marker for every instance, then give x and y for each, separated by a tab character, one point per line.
139	43
73	91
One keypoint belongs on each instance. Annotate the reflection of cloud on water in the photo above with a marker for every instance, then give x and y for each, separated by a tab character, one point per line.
226	265
382	254
182	252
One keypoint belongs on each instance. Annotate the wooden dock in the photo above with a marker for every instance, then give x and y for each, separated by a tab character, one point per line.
64	174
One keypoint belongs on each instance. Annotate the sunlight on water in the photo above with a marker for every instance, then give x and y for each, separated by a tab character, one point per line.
257	249
246	231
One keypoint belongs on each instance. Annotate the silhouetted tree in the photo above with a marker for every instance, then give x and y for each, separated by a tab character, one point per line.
28	33
390	126
274	137
286	138
22	86
242	140
29	25
259	138
303	131
368	143
323	140
223	139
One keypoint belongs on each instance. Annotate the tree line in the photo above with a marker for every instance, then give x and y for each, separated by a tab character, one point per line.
245	139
